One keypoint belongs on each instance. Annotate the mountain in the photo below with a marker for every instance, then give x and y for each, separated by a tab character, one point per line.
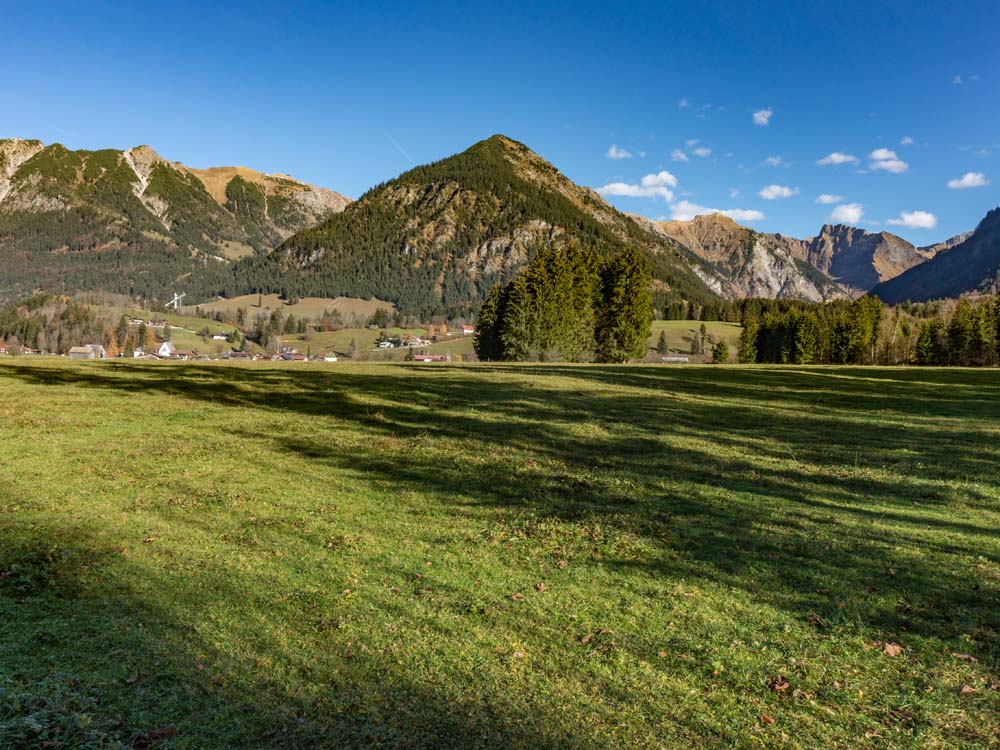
972	265
857	259
839	261
133	222
746	263
438	237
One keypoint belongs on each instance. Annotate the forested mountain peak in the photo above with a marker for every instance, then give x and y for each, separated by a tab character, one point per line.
439	236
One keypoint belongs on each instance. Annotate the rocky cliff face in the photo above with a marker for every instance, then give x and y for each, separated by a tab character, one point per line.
746	263
859	260
839	261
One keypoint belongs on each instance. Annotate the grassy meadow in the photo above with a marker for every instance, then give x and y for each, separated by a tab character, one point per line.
519	556
307	307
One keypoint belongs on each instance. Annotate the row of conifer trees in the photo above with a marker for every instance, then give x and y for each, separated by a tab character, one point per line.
571	304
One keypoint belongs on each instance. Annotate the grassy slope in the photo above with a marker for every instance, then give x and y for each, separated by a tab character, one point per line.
326	557
680	334
309	307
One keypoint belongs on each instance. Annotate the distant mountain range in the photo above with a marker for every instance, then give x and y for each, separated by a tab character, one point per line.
971	265
433	240
840	261
131	221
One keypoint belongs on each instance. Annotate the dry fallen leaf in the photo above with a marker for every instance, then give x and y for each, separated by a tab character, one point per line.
540	586
765	719
891	649
517	655
966	690
516	596
562	564
779	683
965	657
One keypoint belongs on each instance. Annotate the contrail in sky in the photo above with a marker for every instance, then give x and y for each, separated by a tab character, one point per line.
401	149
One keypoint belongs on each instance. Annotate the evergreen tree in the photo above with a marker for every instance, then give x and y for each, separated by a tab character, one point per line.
927	342
487	342
720	353
661	344
121	331
626	313
807	339
747	352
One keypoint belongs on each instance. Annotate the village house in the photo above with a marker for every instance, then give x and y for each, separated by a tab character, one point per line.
220	336
468	330
88	351
166	349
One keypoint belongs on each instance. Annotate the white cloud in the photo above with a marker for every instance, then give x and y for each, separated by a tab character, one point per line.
838	158
907	141
686	210
915	220
762	116
957	80
734	192
969	180
772	192
827	198
682	104
847	213
775	161
617	153
702	152
659	179
886	159
692	142
651	186
678	155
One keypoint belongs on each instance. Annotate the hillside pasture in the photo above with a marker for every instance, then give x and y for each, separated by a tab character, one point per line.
307	307
681	333
498	556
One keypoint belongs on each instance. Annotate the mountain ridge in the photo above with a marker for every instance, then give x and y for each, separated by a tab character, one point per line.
130	221
440	235
970	266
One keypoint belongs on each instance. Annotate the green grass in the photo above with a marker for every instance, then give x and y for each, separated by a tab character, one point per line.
423	556
680	335
365	338
307	307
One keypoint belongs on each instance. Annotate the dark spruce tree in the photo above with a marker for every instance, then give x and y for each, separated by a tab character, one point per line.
570	304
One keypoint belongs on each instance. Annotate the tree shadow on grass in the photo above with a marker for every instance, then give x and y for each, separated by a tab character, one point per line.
789	517
88	660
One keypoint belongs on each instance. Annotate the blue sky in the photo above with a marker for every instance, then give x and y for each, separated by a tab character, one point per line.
346	95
